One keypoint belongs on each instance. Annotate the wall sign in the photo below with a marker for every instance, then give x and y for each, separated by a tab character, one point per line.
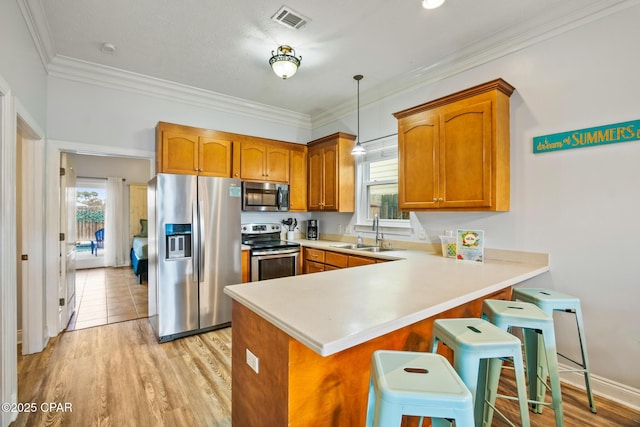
601	135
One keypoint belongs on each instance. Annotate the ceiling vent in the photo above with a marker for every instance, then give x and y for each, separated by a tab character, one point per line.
290	18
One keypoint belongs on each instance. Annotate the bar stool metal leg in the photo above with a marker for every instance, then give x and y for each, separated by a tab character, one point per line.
533	321
549	301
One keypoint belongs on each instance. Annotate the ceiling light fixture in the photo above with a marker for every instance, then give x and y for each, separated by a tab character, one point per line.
432	4
284	63
358	149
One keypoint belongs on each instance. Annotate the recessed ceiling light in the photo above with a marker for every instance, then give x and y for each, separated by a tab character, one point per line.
108	48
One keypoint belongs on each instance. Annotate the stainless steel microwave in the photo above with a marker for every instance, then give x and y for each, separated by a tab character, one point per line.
265	196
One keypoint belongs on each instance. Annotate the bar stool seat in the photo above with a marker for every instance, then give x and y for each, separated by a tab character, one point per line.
417	384
533	321
476	344
549	301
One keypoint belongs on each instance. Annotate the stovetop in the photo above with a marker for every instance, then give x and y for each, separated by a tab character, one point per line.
265	237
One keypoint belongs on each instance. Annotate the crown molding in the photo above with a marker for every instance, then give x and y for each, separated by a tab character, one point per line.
481	52
38	26
87	72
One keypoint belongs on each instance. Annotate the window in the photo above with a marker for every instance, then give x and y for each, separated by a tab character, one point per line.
378	192
381	183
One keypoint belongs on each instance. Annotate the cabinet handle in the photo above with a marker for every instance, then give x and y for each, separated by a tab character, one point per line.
441	199
435	199
314	255
236	174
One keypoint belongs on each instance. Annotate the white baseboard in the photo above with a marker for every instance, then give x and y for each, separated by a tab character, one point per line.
603	387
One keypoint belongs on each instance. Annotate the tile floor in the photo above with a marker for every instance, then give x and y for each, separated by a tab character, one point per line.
108	295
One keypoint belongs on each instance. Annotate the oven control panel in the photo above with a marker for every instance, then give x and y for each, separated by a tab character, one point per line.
260	228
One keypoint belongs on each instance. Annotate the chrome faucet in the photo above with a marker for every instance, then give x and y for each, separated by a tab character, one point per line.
376	228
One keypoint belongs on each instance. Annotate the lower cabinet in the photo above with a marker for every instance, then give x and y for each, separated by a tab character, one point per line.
316	260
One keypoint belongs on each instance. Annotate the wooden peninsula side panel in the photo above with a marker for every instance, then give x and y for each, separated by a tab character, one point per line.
295	386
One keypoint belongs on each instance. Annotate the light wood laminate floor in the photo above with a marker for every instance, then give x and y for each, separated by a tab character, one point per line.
118	375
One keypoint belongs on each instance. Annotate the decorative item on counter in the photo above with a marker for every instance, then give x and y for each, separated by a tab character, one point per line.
448	242
470	245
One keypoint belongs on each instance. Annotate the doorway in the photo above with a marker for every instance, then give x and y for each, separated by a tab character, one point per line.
91	204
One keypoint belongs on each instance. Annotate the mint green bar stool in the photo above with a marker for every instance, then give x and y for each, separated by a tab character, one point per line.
416	384
533	322
549	301
476	344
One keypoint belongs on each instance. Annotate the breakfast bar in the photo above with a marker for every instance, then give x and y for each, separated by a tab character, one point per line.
302	345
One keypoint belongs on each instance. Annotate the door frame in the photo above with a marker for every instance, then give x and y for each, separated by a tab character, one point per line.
8	276
52	203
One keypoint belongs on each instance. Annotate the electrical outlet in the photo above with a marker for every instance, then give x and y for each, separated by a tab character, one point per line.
252	361
347	229
422	235
340	228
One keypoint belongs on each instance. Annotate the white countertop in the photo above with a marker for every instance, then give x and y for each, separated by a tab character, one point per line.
335	310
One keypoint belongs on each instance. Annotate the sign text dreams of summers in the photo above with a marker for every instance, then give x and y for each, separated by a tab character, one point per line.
608	134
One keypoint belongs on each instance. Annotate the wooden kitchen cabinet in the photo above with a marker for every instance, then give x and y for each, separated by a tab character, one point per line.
298	178
264	161
331	174
453	152
246	266
192	151
316	260
355	261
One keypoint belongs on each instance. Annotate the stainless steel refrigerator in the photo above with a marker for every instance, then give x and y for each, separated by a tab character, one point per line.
194	252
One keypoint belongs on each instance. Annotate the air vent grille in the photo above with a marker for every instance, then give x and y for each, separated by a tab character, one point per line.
290	18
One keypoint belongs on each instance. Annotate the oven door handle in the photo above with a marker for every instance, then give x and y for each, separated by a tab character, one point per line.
271	254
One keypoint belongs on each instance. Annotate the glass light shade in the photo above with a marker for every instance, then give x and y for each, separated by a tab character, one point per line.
284	68
432	4
284	63
358	149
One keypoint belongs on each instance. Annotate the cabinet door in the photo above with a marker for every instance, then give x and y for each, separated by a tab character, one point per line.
252	161
330	178
313	267
465	156
418	137
298	179
179	153
315	179
246	266
355	261
277	164
215	157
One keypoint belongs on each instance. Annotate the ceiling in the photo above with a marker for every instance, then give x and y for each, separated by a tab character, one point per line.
224	46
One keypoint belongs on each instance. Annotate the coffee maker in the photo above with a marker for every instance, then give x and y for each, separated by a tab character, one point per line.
312	229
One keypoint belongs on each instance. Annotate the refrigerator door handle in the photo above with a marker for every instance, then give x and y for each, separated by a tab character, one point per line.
195	244
201	257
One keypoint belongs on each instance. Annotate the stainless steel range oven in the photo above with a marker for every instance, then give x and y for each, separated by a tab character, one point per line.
271	258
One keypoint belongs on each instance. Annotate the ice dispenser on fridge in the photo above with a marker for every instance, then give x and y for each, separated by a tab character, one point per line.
178	241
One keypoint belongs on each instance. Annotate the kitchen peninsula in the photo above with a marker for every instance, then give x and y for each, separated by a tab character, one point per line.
313	335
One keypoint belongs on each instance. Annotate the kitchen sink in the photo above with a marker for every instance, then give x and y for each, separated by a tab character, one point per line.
378	249
352	246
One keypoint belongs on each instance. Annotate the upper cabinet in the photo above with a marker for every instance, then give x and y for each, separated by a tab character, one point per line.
331	174
264	160
192	151
298	178
453	152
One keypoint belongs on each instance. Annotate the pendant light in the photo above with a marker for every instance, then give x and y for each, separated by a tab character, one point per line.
358	149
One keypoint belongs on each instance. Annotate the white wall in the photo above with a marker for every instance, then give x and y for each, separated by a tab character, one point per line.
580	205
20	64
92	114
